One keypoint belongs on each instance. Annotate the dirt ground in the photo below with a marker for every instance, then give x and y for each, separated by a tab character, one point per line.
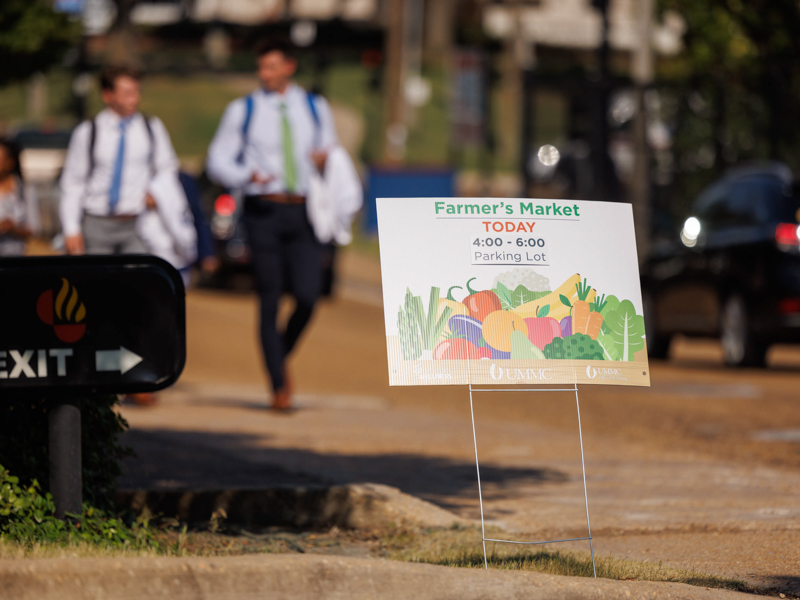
702	470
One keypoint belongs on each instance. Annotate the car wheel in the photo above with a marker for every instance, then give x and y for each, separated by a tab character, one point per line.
740	346
657	343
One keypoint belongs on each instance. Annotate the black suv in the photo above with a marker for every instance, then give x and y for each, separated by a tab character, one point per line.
734	270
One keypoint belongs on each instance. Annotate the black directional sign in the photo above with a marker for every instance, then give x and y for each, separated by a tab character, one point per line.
90	324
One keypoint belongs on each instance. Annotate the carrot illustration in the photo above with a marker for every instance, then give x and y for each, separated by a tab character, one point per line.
595	321
580	309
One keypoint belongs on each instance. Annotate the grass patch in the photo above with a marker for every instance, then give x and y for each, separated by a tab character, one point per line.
460	547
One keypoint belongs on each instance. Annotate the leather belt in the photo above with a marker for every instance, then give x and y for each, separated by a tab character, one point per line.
114	217
283	198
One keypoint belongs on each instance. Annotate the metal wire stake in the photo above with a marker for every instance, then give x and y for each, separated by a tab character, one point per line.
583	469
478	468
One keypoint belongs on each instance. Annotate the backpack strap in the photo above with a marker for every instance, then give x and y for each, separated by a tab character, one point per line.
92	140
151	159
248	116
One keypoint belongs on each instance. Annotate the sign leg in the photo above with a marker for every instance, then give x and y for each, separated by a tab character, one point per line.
66	479
585	493
478	468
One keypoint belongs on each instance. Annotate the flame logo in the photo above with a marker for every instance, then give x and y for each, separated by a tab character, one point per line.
68	315
65	314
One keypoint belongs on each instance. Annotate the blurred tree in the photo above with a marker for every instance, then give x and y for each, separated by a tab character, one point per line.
33	37
739	85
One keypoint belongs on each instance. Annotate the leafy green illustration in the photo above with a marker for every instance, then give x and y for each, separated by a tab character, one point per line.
610	304
608	345
512	299
627	330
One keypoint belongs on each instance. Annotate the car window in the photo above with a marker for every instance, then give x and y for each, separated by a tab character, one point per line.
749	200
714	208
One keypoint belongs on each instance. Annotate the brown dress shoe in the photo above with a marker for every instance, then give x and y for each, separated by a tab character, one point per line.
143	399
282	401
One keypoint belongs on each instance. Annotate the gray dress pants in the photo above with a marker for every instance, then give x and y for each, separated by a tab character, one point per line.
107	235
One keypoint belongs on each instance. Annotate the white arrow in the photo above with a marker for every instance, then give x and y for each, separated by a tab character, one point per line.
122	360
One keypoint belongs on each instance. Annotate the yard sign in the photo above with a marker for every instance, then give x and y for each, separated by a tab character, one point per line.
511	291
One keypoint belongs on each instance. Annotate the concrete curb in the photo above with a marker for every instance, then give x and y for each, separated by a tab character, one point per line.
352	506
307	577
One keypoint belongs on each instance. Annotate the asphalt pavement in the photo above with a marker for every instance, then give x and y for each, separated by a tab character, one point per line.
699	471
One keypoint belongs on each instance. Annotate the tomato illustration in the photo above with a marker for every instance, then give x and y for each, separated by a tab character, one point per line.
456	349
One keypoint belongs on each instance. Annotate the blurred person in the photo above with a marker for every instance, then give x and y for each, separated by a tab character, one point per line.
120	192
19	217
270	144
119	167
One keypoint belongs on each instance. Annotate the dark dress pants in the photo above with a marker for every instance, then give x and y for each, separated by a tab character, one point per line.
286	258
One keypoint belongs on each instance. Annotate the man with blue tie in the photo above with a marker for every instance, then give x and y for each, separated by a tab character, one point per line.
118	165
268	144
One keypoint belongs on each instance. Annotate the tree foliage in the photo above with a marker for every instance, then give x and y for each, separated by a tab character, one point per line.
33	37
738	84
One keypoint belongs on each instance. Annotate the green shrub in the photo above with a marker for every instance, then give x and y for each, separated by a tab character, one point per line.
27	516
24	445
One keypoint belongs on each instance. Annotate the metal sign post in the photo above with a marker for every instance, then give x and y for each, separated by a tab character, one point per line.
79	326
583	470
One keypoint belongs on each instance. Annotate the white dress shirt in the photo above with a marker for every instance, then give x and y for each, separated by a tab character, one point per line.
81	193
263	152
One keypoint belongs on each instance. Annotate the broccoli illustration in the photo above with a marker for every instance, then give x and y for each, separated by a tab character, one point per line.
575	346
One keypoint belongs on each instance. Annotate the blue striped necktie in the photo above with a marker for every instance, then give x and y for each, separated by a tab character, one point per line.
116	178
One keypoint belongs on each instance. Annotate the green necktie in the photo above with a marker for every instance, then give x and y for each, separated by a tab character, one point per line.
288	152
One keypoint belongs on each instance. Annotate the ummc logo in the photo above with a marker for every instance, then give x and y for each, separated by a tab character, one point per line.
65	312
499	373
591	372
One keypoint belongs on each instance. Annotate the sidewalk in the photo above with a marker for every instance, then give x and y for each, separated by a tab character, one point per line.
288	577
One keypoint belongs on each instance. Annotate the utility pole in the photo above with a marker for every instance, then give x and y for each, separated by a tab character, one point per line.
395	107
600	156
643	73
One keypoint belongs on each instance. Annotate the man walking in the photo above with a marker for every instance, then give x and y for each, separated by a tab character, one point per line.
118	165
269	144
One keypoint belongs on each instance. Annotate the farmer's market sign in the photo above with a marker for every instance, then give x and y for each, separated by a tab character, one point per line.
504	291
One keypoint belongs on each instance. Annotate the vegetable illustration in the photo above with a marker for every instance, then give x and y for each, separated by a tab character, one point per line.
608	345
466	327
410	344
498	327
426	327
566	326
575	346
580	308
626	329
611	303
455	306
558	310
542	329
456	349
482	303
512	299
595	321
485	352
522	348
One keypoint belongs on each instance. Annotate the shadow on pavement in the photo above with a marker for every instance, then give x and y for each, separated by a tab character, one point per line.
192	460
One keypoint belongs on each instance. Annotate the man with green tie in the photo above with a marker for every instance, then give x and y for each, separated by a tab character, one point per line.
268	144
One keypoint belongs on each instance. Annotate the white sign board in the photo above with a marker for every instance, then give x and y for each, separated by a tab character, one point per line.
511	291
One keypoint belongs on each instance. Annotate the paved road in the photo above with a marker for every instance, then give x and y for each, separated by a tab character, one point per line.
702	470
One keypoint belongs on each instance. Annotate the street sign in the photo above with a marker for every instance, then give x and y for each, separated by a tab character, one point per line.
96	324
